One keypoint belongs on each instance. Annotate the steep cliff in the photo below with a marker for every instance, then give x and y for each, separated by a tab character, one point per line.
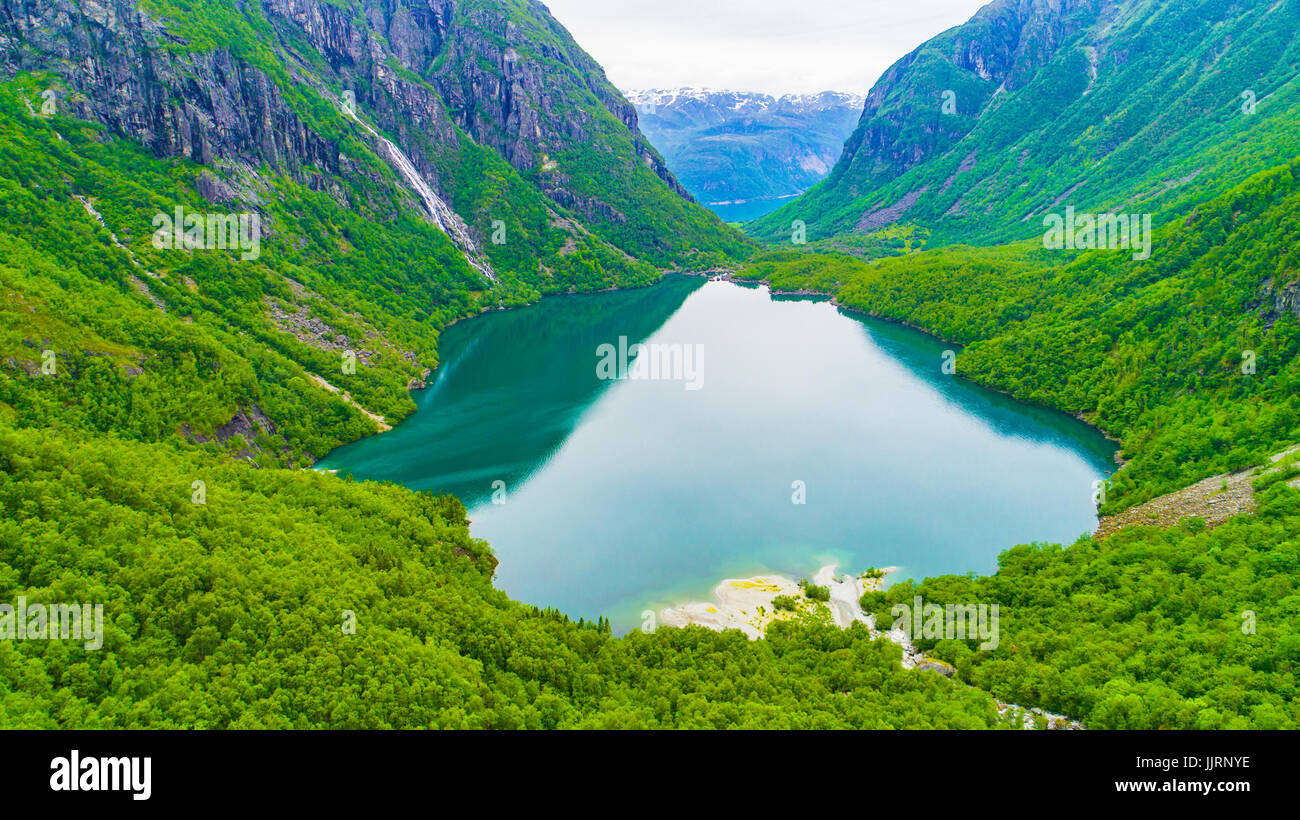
259	85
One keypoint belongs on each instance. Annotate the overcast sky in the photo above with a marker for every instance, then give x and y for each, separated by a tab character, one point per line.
775	46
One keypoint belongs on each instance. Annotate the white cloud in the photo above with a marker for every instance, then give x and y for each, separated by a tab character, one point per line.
776	46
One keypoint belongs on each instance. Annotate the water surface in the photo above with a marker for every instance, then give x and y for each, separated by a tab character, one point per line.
625	495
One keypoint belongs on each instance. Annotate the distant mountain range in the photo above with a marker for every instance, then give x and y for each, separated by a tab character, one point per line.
744	154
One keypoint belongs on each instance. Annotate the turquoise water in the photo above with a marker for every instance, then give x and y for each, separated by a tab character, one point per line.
630	494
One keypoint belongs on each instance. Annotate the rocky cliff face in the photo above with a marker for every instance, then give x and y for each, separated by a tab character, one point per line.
426	72
123	68
998	51
495	80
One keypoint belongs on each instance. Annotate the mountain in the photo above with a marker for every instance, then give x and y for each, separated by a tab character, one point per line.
1036	105
745	154
405	166
231	234
456	85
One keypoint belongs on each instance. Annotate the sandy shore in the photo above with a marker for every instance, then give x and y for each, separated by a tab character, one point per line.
747	603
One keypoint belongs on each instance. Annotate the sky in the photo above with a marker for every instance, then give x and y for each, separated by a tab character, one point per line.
772	46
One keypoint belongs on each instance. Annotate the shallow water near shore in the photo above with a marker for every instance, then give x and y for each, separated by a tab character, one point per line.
627	495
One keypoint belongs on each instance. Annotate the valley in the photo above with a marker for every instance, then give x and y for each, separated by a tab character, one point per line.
444	210
743	155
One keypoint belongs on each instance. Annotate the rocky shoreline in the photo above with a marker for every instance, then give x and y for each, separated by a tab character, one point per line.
1214	500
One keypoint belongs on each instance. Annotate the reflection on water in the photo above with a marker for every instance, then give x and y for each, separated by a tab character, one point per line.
631	494
512	385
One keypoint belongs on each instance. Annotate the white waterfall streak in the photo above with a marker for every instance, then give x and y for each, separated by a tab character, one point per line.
438	211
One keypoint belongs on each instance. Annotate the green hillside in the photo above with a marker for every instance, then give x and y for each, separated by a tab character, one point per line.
1133	107
158	406
349	261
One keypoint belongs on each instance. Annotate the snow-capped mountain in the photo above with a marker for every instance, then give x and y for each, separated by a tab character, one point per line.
744	154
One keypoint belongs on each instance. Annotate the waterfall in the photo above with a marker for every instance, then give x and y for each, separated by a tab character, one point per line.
438	210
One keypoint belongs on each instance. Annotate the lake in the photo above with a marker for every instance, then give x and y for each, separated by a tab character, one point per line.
615	495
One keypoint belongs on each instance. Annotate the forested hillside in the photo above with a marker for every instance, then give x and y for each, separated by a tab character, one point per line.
1189	357
1134	106
233	613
